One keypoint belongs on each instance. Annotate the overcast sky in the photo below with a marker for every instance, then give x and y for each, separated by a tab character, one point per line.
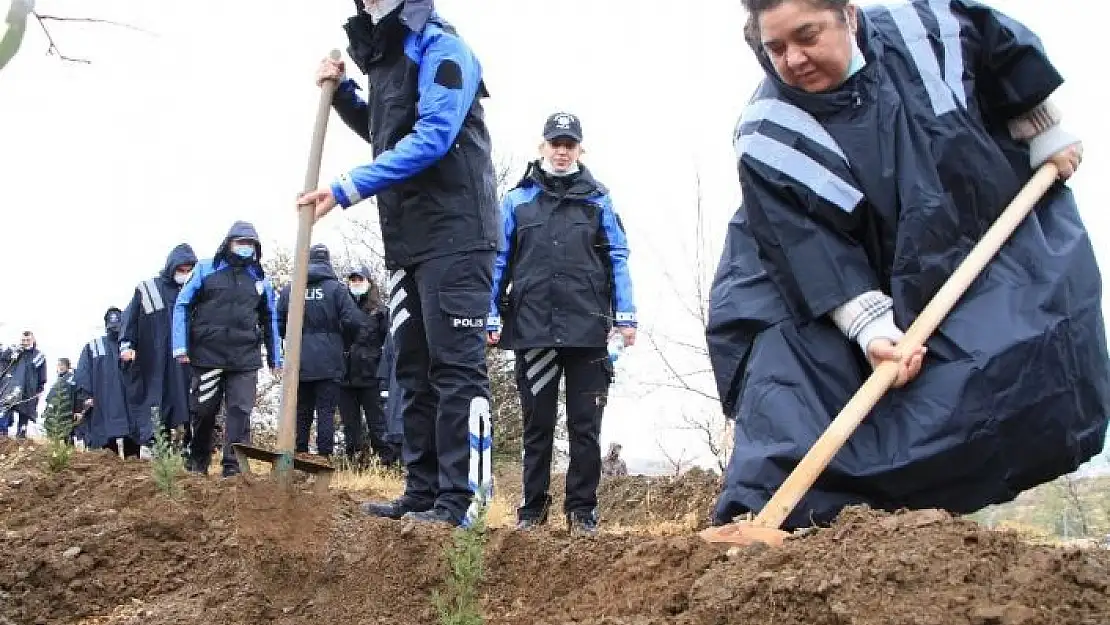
169	137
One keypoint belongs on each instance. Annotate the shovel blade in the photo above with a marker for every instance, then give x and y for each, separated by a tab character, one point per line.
743	533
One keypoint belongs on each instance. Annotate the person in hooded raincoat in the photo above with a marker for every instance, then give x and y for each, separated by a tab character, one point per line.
222	319
22	382
433	177
882	144
390	398
101	395
329	316
154	379
360	399
562	287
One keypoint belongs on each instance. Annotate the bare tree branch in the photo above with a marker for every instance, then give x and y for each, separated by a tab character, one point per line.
53	49
678	464
42	17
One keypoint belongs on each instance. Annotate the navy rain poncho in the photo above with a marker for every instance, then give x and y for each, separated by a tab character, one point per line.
885	183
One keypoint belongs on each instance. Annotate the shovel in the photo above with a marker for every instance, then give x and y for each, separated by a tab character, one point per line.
282	461
765	527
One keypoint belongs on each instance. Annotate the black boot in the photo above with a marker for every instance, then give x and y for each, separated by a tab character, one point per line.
394	509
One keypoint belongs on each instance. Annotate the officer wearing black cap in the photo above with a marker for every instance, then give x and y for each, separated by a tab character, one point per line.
562	288
434	182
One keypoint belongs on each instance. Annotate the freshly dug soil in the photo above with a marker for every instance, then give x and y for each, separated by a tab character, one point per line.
97	543
635	500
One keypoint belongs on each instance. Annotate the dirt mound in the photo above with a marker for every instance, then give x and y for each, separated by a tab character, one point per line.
638	500
917	568
97	543
635	501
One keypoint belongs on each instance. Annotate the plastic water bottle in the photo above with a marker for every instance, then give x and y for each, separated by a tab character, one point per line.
616	347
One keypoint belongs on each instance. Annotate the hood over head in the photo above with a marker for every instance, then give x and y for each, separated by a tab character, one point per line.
319	264
182	254
240	230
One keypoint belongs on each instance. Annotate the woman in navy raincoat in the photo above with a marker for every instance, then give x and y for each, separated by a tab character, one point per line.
881	145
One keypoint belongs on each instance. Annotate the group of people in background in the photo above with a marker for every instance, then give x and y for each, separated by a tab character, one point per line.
189	345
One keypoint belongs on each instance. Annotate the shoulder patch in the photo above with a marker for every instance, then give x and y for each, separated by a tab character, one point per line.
449	75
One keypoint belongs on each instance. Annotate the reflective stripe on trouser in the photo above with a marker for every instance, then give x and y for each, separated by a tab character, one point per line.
209	389
588	374
437	316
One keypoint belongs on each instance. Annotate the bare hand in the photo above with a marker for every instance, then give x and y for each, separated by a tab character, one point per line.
183	359
127	355
1067	160
89	402
322	199
879	350
493	338
629	335
330	70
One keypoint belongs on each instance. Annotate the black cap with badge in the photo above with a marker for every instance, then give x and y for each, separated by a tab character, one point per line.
562	126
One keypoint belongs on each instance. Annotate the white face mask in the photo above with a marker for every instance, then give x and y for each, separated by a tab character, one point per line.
182	278
360	289
381	8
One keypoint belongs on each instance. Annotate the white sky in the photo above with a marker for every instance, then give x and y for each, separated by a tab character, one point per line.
170	138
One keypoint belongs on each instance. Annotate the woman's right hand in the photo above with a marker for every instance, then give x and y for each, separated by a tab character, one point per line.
881	349
329	69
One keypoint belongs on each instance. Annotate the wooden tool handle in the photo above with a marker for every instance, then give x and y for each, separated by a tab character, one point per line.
805	474
295	323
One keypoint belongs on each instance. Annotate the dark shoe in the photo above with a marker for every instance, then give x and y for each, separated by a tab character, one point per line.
193	466
525	525
435	515
583	523
393	509
527	520
229	472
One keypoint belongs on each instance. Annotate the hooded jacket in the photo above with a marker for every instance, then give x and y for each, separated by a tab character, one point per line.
154	377
329	315
885	183
100	378
227	311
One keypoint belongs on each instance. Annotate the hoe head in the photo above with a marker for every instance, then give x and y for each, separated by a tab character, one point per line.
744	533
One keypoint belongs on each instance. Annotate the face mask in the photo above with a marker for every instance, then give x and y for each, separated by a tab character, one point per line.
243	251
182	278
382	8
360	289
857	62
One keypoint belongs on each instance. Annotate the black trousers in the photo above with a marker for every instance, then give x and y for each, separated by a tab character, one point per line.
437	315
317	399
588	374
208	389
364	423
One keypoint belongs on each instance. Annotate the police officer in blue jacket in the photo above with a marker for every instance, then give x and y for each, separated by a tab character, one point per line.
561	284
436	193
223	316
